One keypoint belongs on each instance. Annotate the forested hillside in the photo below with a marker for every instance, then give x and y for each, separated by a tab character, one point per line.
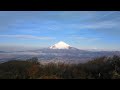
99	68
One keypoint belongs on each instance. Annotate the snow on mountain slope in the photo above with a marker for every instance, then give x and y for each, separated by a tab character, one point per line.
60	45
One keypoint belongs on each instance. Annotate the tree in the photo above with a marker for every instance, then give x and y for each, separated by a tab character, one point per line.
33	71
33	60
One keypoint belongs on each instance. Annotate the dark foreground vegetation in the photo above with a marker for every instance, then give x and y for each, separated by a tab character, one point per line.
99	68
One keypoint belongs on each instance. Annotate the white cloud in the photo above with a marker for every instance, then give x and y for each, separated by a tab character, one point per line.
85	38
105	24
104	15
26	37
96	25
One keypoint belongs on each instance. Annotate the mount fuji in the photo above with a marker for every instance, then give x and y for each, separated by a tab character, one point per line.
58	52
61	45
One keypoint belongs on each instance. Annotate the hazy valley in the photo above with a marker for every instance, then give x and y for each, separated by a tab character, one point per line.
45	55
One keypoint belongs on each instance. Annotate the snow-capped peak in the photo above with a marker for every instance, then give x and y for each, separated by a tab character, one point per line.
60	45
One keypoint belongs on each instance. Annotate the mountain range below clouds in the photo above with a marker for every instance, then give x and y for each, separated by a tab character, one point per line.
59	52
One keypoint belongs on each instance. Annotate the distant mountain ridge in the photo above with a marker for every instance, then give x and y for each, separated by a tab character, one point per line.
57	52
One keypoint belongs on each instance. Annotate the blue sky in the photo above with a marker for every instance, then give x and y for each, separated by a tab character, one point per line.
81	29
